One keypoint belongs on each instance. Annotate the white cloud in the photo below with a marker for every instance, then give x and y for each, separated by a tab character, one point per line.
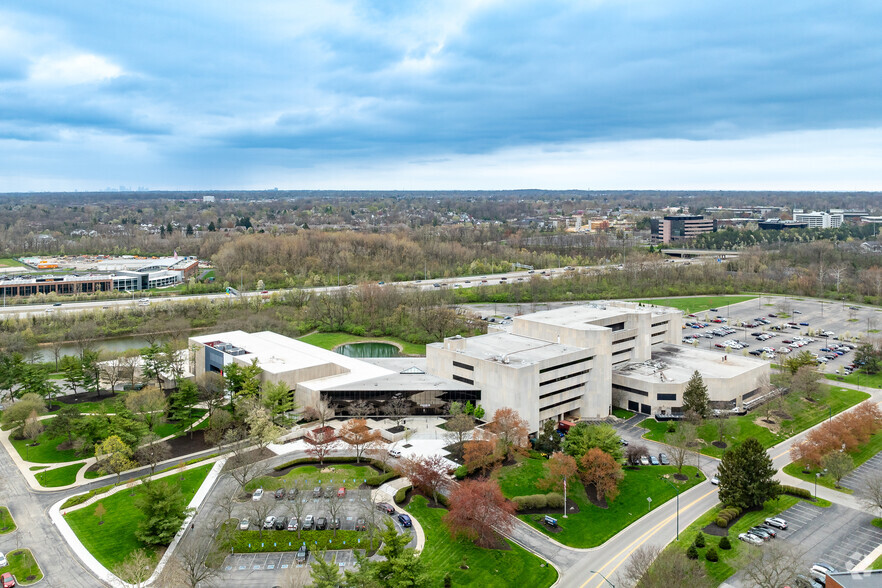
84	68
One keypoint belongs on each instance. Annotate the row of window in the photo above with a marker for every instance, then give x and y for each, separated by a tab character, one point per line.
463	380
464	366
556	404
659	396
566	377
562	365
562	390
661	323
623	340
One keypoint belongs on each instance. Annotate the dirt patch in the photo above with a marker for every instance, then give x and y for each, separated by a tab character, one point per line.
253	455
572	508
720	444
681	477
598	501
185	445
90	397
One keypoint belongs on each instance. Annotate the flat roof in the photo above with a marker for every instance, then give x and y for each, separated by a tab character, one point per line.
583	316
520	351
678	362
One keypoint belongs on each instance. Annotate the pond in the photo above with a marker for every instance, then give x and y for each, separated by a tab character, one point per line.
116	345
367	350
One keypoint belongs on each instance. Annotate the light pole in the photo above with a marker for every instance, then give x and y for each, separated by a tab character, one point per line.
678	505
604	577
818	475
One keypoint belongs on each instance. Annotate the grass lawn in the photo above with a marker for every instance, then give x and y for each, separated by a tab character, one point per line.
722	569
861	455
46	451
592	525
172	428
9	262
696	304
622	413
107	403
487	567
251	541
331	340
59	476
859	379
112	541
308	477
23	566
805	415
7	523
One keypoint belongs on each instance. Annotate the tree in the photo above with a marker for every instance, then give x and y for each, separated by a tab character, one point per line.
32	427
635	451
261	430
582	437
838	464
358	436
399	565
725	426
459	427
868	357
73	373
548	439
148	405
136	568
681	440
277	398
243	380
601	470
182	401
799	360
244	461
165	508
397	408
324	574
114	456
35	380
427	474
510	430
361	576
153	451
806	381
746	476
870	493
478	511
652	567
562	469
771	566
480	452
152	363
695	397
211	390
322	442
334	504
67	420
260	509
18	413
218	424
111	370
191	565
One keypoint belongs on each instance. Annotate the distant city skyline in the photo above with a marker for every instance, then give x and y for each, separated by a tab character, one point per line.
451	94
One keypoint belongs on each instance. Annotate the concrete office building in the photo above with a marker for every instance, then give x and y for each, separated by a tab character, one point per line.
819	220
681	227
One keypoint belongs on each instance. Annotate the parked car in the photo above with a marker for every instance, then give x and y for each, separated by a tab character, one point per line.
394	453
244	525
292	494
317	492
335	523
653	460
777	522
341	492
258	494
360	525
280	494
321	524
752	539
293	523
7	580
644	460
269	522
405	520
765	536
663	458
302	554
771	531
281	524
823	568
308	523
802	582
385	507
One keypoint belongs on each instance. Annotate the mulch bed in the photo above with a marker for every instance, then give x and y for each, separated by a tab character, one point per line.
78	398
598	501
253	455
713	529
681	477
280	473
720	444
184	445
572	508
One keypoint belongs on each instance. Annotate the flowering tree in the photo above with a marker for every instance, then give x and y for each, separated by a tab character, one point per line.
479	511
602	471
358	436
428	474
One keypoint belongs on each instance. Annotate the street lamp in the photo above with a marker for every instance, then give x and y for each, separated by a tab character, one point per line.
818	475
604	577
678	505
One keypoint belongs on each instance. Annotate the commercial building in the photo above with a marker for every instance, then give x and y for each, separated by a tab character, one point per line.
819	220
776	224
681	227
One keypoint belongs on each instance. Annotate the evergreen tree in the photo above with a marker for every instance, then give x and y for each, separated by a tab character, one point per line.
164	509
695	396
746	476
189	230
211	227
324	574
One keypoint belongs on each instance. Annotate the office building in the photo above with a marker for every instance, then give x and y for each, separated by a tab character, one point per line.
819	220
682	227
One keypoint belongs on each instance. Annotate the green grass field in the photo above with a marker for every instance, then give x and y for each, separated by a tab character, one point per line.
696	304
59	476
622	413
7	523
331	340
112	541
308	477
859	379
592	525
172	428
252	542
860	456
108	403
46	451
9	262
805	415
487	567
23	566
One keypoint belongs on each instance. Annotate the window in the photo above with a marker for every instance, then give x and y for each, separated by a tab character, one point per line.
566	377
616	341
666	396
659	333
563	365
628	350
556	404
464	366
617	326
464	380
561	391
661	323
630	390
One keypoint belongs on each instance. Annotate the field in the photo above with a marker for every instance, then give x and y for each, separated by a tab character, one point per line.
59	476
308	477
486	567
805	415
593	525
23	566
113	540
46	451
9	262
861	455
697	304
331	340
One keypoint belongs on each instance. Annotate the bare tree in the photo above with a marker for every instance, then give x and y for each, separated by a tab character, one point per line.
152	451
361	409
111	370
335	507
260	509
771	566
681	441
136	568
650	567
245	463
870	494
459	428
211	390
299	507
225	501
191	565
371	515
396	408
634	452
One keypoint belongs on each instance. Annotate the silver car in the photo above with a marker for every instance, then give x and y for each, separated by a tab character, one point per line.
244	524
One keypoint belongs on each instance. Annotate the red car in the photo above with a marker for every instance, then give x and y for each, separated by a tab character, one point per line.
7	580
341	493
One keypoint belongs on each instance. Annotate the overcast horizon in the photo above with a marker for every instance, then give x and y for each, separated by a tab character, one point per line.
480	95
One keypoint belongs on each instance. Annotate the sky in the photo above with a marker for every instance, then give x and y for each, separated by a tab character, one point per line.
440	94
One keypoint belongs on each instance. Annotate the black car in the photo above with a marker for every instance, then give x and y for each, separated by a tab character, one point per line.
280	493
302	554
321	524
281	524
292	494
360	525
335	524
385	507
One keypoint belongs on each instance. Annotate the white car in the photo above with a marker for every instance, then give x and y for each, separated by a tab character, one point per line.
244	524
777	522
269	522
258	494
3	561
752	539
715	480
394	453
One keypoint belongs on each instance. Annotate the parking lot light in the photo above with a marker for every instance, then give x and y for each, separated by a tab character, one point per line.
818	475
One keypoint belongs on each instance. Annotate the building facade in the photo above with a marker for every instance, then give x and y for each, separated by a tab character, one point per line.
682	227
819	220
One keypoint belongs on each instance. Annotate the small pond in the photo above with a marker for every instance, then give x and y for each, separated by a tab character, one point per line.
368	350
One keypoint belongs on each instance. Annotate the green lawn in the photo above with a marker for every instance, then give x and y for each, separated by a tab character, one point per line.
722	569
23	566
308	477
861	455
107	403
859	379
7	523
251	541
592	525
622	413
112	541
9	262
697	304
59	476
331	340
487	567
805	415
172	428
46	451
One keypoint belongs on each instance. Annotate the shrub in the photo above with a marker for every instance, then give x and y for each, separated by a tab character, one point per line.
448	581
381	479
722	522
554	500
699	540
461	472
401	495
711	554
519	502
798	492
724	543
692	553
540	501
443	500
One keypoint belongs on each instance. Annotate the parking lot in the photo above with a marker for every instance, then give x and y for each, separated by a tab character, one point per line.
786	322
272	569
855	480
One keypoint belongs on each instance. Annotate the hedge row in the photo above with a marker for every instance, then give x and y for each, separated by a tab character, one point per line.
251	541
381	479
725	516
333	459
81	498
798	492
538	501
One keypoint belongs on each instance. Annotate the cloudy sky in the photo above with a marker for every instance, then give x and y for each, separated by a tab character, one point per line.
393	94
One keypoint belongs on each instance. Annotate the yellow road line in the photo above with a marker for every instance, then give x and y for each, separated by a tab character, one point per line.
644	538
